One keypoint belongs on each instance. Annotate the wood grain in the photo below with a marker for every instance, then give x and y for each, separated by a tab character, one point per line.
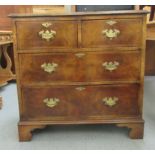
150	49
136	130
66	34
80	33
88	68
92	35
150	57
80	104
25	131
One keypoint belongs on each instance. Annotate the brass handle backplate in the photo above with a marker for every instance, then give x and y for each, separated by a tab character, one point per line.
110	101
111	33
110	65
51	102
46	33
49	67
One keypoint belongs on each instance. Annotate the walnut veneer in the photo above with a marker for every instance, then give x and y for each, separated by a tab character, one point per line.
80	68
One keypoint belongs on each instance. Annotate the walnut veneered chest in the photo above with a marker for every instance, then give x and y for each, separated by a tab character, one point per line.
81	68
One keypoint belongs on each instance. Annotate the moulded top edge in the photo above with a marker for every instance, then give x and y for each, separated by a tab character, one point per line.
126	12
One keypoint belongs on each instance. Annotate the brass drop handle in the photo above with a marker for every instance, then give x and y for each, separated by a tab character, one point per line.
49	67
51	102
110	101
111	33
47	34
80	55
111	66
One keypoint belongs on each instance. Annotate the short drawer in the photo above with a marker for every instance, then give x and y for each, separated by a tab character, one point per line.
80	102
80	67
46	34
112	32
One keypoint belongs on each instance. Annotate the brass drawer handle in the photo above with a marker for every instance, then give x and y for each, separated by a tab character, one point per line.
80	88
49	67
111	33
110	101
51	102
80	55
46	33
110	65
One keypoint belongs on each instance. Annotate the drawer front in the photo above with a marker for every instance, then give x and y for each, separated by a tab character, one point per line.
46	34
79	67
115	32
80	102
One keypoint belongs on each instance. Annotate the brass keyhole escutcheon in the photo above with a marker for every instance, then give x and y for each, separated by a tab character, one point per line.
80	55
80	88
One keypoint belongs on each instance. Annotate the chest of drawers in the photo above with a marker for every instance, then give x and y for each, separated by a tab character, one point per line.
80	68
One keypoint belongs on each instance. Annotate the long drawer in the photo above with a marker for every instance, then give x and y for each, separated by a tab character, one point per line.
79	67
80	102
